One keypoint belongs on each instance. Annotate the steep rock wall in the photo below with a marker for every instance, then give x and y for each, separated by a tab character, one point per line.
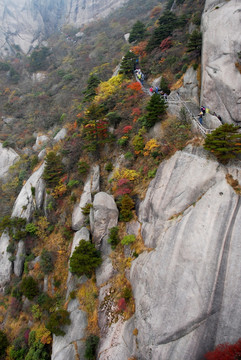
221	79
26	23
186	289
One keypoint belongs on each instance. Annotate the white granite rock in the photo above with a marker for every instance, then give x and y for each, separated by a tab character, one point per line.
63	347
20	257
8	157
40	142
221	80
91	187
6	265
26	203
60	135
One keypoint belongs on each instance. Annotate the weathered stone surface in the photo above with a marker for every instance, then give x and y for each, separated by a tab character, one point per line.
91	187
221	80
27	23
117	344
104	216
42	154
7	158
189	90
73	280
211	122
26	203
6	265
20	257
173	195
82	12
40	142
60	135
186	293
64	346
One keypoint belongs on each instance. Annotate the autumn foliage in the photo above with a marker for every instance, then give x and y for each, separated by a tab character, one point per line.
225	352
135	86
166	43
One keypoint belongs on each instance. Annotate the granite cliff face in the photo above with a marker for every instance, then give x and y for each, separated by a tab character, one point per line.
26	23
221	78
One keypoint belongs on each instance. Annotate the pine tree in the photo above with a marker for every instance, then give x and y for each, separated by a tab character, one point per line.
138	32
90	91
167	23
195	42
85	259
224	142
53	169
127	64
156	108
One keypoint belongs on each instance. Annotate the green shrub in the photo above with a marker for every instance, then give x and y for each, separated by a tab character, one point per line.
224	142
109	166
113	237
156	107
56	320
83	167
91	347
31	228
128	239
86	209
85	259
3	342
72	183
127	293
46	262
123	141
29	287
152	173
127	63
138	32
53	169
126	205
128	155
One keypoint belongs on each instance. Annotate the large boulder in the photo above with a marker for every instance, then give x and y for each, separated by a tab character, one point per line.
41	141
91	187
72	344
187	289
27	201
7	158
6	265
221	79
104	216
189	90
60	135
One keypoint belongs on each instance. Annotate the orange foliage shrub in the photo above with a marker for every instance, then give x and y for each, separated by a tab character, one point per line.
155	11
135	86
139	49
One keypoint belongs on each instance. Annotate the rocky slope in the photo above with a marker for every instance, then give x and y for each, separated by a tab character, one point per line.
185	290
26	23
221	78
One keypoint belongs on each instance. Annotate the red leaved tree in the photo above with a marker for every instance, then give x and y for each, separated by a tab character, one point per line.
225	352
166	43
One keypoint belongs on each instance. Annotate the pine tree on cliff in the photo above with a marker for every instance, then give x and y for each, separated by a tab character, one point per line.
128	63
195	42
90	91
167	23
224	142
53	169
138	32
156	108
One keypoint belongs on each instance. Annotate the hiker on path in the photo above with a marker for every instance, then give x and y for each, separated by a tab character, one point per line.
201	118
